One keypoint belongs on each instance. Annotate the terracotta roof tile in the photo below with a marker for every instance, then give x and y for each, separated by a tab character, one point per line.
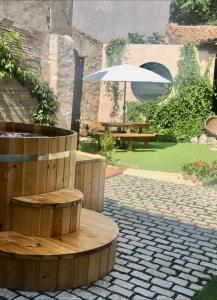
177	34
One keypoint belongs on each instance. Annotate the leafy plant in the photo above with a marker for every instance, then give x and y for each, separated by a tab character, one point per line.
107	144
114	51
201	170
182	115
12	65
136	38
193	12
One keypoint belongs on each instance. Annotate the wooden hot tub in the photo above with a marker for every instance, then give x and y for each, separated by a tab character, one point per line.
47	240
36	164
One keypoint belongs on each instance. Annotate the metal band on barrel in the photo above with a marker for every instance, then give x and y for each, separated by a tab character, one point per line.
7	158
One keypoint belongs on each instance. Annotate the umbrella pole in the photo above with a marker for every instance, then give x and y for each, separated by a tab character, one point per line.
124	107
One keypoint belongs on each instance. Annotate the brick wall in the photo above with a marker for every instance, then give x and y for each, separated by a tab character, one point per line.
16	103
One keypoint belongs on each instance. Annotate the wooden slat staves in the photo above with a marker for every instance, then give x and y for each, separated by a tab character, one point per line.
21	217
94	266
67	163
112	256
95	186
81	270
72	161
66	272
48	274
52	166
29	168
42	167
90	179
60	163
103	270
87	186
101	186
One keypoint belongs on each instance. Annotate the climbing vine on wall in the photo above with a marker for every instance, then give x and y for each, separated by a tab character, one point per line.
114	55
12	65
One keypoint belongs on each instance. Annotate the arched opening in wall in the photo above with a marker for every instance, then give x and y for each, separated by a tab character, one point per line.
145	91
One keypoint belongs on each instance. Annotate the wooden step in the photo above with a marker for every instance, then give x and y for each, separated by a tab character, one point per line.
69	261
49	214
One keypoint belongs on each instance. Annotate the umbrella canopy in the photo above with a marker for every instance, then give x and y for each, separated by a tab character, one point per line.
126	73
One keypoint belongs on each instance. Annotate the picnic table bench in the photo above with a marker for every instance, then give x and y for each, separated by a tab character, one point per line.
130	131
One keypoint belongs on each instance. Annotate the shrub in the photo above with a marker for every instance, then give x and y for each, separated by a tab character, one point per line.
182	115
107	144
201	170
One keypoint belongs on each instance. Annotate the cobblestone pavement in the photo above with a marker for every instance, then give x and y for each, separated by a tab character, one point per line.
167	246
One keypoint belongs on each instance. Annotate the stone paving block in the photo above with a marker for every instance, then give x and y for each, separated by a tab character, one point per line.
141	283
177	280
124	284
121	269
183	290
84	294
162	291
140	275
99	291
188	277
162	283
120	290
144	292
67	296
162	262
156	273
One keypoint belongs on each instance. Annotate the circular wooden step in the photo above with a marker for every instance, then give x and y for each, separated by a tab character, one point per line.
48	214
47	264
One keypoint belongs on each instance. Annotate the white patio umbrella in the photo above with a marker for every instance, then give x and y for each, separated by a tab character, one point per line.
126	73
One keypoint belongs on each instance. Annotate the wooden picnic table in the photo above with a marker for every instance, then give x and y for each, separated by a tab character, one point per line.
127	127
128	131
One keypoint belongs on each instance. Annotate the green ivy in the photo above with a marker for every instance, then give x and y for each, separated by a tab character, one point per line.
181	116
12	65
114	56
136	38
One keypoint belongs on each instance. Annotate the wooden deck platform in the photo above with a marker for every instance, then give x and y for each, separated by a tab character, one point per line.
69	261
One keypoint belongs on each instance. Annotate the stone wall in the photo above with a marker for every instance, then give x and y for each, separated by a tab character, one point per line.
49	42
61	56
16	103
53	16
91	50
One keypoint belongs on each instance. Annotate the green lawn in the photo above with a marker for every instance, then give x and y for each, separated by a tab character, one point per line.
209	292
167	157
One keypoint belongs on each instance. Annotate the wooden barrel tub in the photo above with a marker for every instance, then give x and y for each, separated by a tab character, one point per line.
36	164
211	126
47	240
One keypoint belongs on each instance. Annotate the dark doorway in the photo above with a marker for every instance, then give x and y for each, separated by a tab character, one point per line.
76	104
215	87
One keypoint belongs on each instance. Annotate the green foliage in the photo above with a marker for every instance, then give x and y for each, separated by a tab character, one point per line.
155	38
182	115
114	51
136	38
193	12
12	66
107	144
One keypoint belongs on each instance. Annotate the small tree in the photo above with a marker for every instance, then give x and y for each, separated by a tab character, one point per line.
193	12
